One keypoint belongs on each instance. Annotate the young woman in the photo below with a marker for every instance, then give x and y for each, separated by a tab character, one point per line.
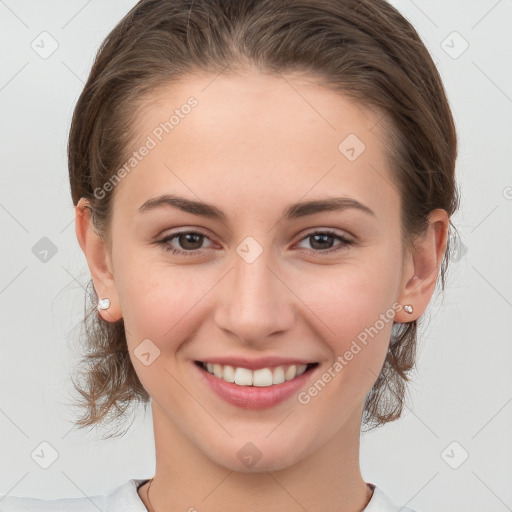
263	193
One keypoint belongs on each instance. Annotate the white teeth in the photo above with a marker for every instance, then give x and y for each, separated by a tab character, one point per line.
301	368
264	377
243	377
290	373
217	370
229	374
278	375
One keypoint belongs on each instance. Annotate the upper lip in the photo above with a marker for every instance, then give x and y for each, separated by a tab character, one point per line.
255	364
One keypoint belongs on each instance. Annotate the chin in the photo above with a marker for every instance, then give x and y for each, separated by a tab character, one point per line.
259	456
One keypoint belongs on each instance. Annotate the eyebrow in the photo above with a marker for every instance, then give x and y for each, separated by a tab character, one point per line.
294	211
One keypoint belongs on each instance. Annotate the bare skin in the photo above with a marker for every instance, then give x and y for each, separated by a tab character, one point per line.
252	146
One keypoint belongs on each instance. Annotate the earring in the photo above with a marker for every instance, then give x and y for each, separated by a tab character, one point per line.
408	308
104	303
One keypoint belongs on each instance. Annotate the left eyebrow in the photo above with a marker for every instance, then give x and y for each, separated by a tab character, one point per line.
325	205
293	211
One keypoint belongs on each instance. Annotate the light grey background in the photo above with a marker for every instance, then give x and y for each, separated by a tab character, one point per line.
462	390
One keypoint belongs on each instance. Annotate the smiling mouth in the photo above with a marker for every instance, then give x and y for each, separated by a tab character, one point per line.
263	377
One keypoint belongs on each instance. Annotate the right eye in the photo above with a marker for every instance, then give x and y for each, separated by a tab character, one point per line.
188	240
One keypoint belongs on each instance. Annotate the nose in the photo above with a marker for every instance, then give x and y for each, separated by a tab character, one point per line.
255	301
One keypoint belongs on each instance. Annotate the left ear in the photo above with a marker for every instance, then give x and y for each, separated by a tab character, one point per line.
423	265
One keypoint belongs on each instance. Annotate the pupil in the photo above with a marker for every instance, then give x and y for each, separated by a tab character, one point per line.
187	238
322	237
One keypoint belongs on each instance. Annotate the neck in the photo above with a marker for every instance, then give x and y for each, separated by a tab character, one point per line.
328	479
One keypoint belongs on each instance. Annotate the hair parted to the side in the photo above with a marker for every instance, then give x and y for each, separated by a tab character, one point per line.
364	49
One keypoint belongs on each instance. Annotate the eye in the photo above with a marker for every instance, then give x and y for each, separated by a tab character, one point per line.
190	242
321	241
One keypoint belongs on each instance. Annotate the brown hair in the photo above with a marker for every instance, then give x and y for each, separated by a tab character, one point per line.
365	49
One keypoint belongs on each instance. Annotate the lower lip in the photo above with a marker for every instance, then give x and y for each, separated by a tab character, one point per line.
254	397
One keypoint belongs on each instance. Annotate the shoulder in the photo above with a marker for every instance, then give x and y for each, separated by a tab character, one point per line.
122	499
379	502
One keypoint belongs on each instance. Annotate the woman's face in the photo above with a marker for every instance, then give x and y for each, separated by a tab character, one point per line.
256	283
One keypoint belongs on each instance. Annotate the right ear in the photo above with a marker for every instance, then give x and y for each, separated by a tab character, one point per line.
98	260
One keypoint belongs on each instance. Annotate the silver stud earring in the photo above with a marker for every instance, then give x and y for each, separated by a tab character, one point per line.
104	303
408	308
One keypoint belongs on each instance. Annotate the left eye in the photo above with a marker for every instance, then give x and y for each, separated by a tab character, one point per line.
191	242
319	239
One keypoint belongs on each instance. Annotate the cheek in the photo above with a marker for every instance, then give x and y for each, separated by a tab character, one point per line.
352	309
350	298
356	329
160	301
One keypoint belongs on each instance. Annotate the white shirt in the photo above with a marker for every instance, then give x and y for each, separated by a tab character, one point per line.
126	499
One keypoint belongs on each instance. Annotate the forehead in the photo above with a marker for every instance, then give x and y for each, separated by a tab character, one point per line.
254	136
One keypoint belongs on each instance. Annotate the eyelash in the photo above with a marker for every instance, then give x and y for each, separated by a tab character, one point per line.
343	246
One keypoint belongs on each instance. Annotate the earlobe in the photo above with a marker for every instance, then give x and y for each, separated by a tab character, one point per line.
98	261
421	278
